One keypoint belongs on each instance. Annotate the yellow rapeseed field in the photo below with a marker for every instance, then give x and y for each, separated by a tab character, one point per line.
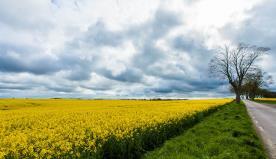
58	128
266	99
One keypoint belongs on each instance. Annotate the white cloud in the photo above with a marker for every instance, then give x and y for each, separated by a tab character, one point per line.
114	47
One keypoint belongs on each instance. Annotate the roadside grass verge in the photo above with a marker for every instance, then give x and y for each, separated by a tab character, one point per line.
227	133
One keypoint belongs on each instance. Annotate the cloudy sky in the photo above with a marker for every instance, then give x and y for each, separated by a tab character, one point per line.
125	48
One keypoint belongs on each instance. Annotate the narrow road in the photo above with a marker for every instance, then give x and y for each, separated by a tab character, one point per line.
264	118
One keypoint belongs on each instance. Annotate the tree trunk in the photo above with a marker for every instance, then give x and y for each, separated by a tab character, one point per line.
237	92
253	96
238	97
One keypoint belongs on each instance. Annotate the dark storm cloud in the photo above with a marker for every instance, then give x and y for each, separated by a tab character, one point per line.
78	74
258	29
63	89
98	35
78	68
207	84
147	34
129	75
199	57
172	87
15	87
184	81
187	44
159	25
162	23
81	56
148	55
142	35
98	87
185	86
21	59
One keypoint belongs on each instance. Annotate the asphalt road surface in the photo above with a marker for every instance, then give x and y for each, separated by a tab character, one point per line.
264	118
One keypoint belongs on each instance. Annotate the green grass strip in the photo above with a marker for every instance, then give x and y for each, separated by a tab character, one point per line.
225	134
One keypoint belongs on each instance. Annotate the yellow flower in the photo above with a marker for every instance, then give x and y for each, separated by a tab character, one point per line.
39	128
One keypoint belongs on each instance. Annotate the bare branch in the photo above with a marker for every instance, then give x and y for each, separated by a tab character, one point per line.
233	63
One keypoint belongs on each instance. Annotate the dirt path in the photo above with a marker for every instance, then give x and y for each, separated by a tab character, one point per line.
264	118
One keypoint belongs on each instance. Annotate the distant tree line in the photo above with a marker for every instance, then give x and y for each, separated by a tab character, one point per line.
254	85
269	94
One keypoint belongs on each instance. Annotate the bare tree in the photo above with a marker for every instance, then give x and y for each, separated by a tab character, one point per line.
234	62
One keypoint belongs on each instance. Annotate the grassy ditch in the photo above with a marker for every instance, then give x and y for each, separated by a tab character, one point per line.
227	133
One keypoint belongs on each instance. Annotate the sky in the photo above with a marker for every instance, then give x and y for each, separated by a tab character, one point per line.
126	48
